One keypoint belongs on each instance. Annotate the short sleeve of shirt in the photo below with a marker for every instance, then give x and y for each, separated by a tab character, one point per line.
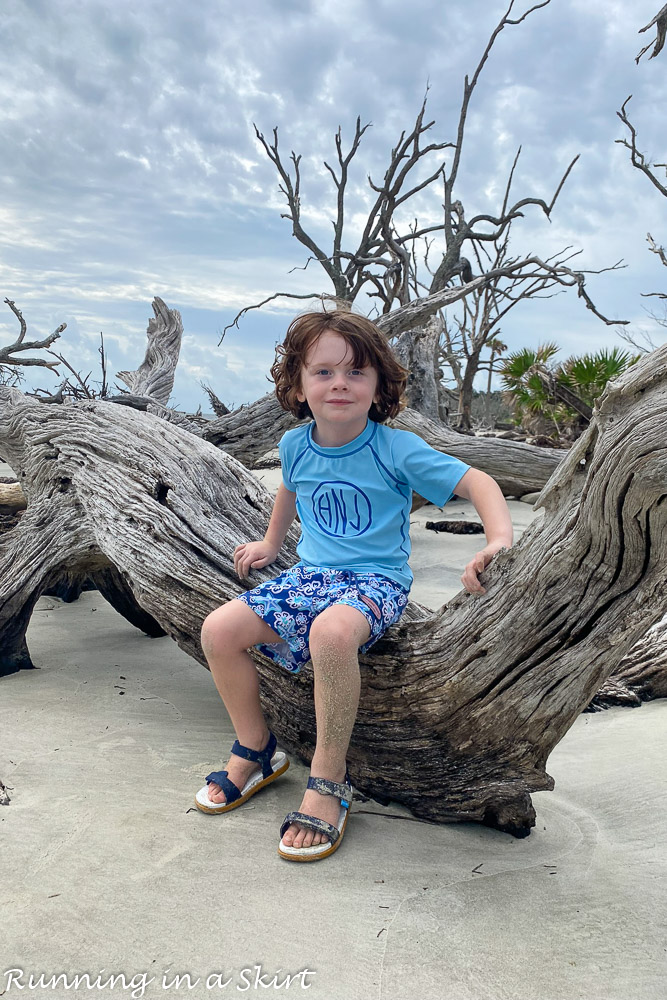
428	472
285	451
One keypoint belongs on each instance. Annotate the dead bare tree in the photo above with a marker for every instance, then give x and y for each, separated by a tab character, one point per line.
383	263
480	313
381	258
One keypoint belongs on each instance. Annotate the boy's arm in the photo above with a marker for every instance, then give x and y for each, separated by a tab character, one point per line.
282	515
492	508
256	555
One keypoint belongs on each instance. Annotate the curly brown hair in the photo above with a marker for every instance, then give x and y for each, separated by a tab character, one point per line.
369	347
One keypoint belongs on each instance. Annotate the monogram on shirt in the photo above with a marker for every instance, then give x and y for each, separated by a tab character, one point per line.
341	509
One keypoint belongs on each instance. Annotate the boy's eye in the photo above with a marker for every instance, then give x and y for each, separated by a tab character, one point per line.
327	371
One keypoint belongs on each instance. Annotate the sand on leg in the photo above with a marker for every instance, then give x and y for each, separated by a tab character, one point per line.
335	638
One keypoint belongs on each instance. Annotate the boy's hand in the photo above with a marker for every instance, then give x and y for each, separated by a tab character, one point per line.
253	555
477	565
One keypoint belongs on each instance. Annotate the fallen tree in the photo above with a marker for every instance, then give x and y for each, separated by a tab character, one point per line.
460	708
640	676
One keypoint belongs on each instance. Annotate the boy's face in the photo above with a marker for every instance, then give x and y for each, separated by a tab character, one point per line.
338	394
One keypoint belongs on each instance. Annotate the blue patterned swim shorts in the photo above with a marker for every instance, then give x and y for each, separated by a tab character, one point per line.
291	602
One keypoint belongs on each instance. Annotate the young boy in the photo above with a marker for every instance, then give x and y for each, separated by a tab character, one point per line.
350	478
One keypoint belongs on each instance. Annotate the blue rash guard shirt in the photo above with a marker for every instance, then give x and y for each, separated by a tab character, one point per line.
354	501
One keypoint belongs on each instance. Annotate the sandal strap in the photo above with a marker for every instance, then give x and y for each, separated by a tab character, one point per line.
326	787
232	791
311	823
262	757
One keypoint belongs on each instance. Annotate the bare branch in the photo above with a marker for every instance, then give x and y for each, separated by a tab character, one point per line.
469	86
218	406
641	341
82	382
636	157
103	363
32	345
503	210
341	183
660	251
507	216
297	267
19	315
277	295
530	11
44	396
417	312
660	20
291	190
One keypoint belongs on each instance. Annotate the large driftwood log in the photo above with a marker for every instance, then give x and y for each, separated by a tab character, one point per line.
514	465
641	675
249	432
644	670
459	708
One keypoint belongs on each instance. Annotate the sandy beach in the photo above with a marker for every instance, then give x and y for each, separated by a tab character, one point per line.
107	866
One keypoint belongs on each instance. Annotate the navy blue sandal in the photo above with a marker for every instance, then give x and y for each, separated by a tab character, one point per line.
335	833
272	764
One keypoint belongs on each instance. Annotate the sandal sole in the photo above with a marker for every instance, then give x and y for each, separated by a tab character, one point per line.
316	855
224	807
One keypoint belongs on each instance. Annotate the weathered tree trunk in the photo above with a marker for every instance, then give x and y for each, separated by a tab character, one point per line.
465	399
459	708
417	351
641	675
559	393
249	432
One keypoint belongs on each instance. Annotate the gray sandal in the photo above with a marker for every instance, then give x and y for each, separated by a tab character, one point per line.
335	833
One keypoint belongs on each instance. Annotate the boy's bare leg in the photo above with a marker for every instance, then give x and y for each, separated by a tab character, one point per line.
335	637
226	635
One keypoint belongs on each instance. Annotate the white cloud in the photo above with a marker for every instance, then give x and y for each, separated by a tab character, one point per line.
130	166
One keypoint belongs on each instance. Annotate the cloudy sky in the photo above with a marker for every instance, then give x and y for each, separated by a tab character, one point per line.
130	166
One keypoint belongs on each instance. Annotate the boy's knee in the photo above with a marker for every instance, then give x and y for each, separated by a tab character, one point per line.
339	627
218	628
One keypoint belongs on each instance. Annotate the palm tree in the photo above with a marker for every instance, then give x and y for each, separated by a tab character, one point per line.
587	375
523	389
